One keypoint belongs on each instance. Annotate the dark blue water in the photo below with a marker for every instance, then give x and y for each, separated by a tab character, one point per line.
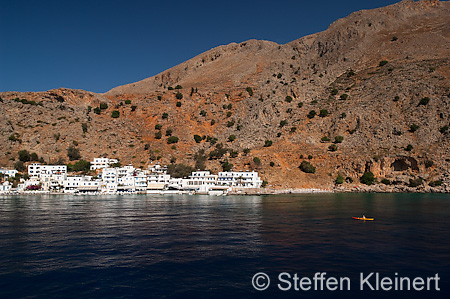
199	246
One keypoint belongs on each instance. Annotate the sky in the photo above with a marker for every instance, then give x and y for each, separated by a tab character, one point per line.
97	45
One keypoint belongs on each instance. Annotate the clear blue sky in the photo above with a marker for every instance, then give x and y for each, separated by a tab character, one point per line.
97	45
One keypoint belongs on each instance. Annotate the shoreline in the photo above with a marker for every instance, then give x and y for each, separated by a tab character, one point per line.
265	191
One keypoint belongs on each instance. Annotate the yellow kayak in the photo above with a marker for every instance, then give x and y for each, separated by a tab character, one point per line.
364	218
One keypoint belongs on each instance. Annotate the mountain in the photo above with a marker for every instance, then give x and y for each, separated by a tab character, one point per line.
377	80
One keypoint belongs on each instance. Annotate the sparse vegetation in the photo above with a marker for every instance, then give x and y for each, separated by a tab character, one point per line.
413	128
179	96
311	114
288	99
127	102
103	106
19	166
343	96
325	139
179	170
383	62
73	153
79	166
443	129
115	114
409	147
307	167
436	183
367	178
24	155
283	123
250	91
203	113
386	181
14	137
231	138
197	138
338	139
332	147
339	179
165	115
257	161
178	104
424	101
323	113
267	143
415	182
226	166
172	139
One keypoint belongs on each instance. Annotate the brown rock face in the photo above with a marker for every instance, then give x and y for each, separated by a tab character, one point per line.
377	80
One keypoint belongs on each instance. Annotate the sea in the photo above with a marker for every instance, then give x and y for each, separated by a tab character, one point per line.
198	246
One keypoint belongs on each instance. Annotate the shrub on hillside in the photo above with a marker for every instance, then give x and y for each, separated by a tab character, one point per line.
307	167
197	138
323	113
424	101
73	153
338	139
413	128
311	114
179	170
367	178
339	180
172	139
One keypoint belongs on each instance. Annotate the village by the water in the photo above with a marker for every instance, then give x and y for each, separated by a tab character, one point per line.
127	179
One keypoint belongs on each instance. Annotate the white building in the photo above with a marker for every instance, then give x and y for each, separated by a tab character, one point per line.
100	163
10	173
109	180
38	170
241	179
53	182
82	184
200	181
5	187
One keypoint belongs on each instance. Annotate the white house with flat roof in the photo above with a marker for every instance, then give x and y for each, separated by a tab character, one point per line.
100	163
38	170
10	173
200	181
241	179
81	184
5	187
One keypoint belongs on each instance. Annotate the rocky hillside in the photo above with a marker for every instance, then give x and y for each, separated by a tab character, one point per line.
371	93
